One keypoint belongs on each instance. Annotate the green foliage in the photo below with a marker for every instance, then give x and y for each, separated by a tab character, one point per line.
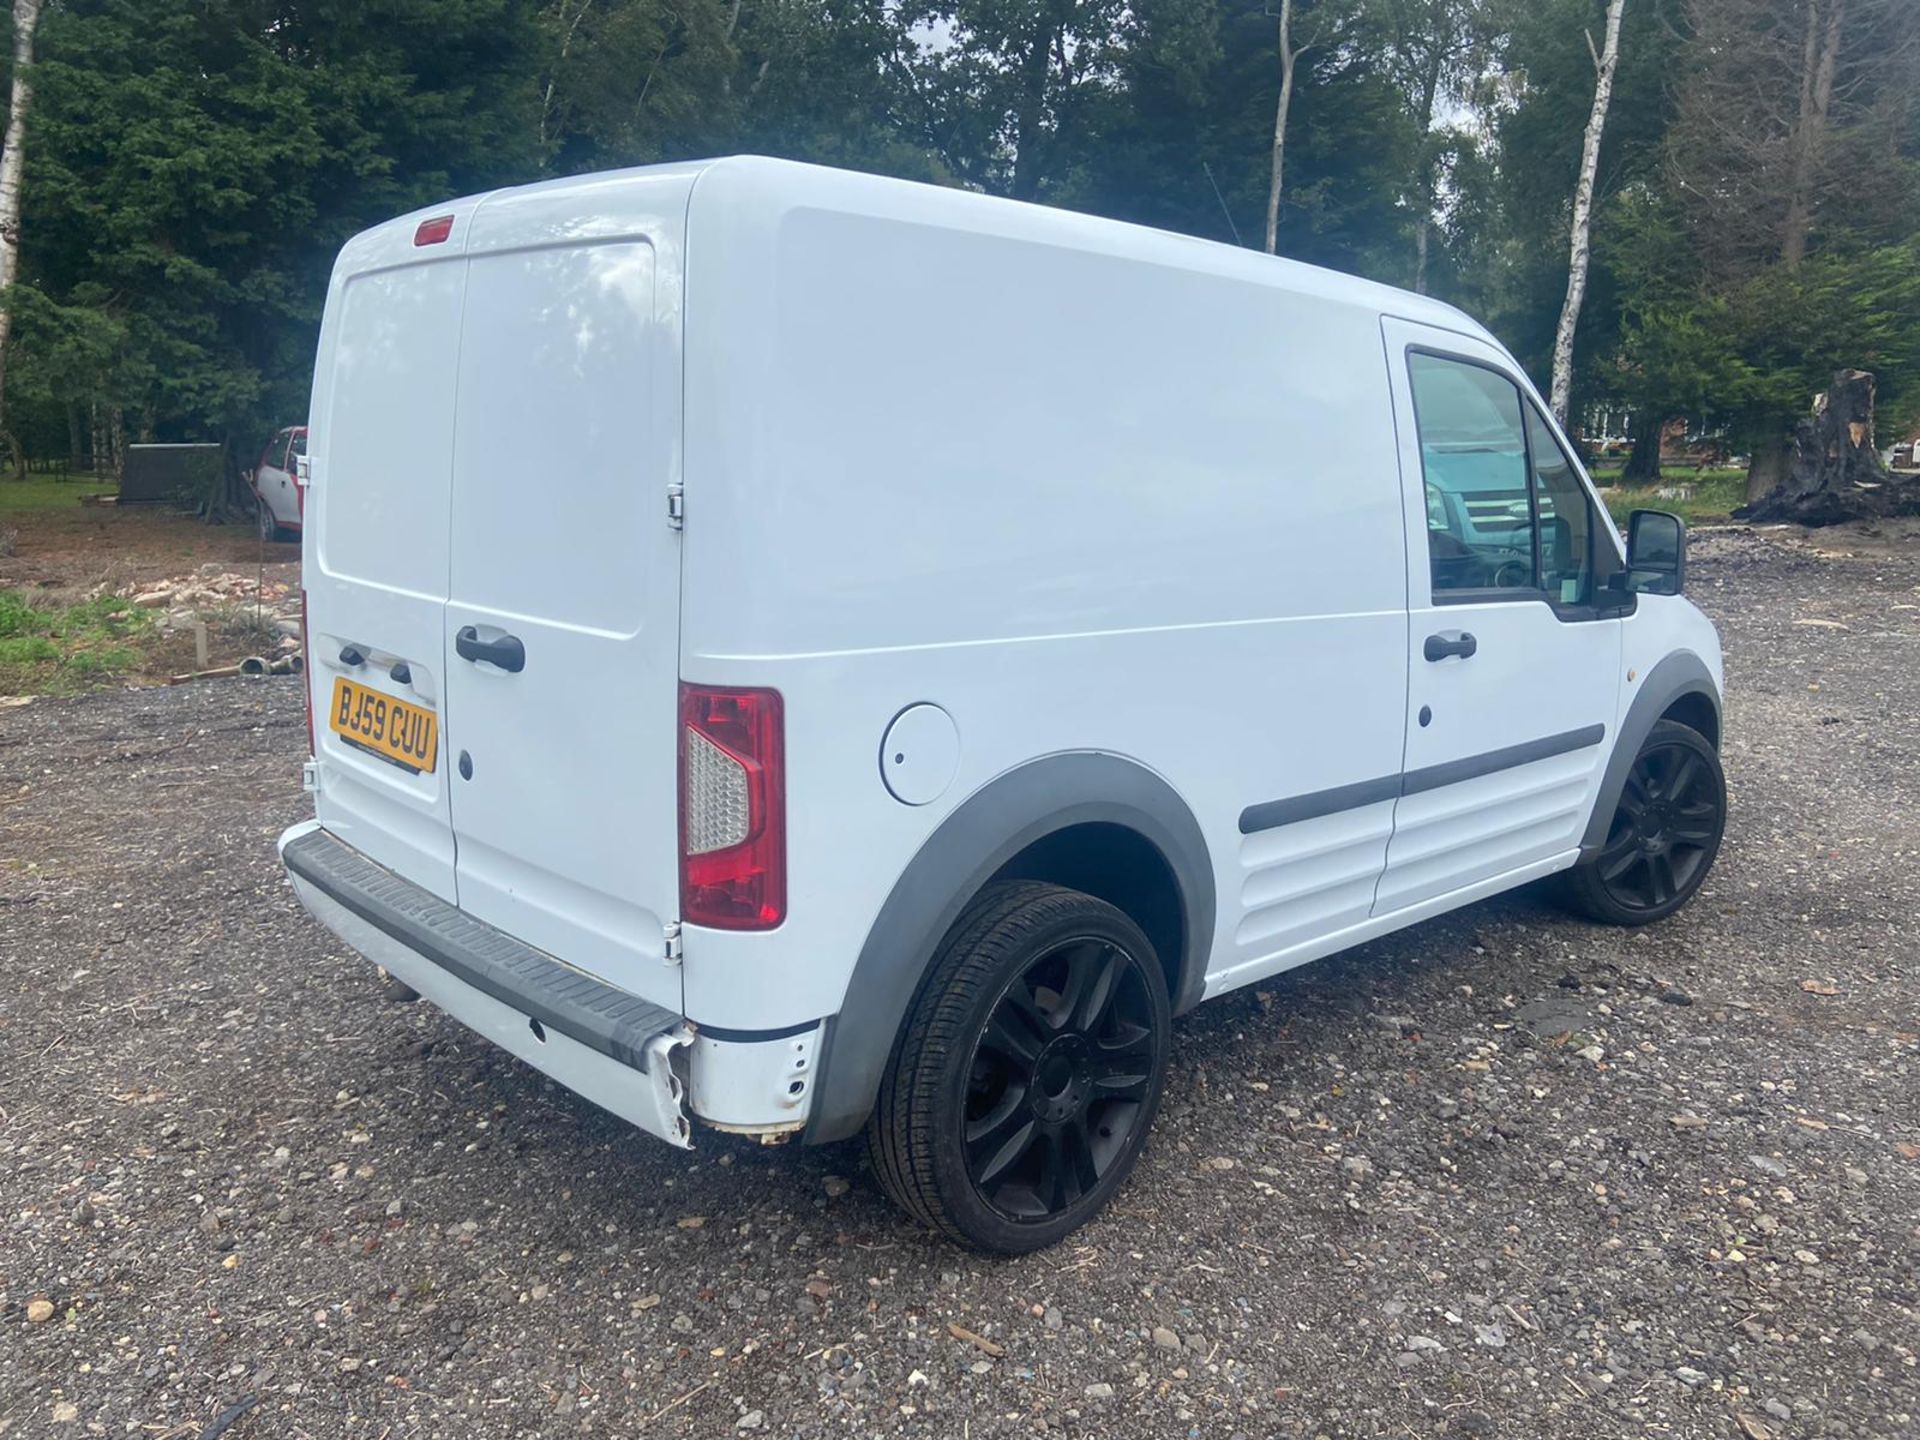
1793	326
55	650
192	169
27	650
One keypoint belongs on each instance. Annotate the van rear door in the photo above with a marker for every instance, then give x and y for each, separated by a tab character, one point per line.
375	560
562	623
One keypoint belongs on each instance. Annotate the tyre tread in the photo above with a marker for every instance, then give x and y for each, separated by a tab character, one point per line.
902	1131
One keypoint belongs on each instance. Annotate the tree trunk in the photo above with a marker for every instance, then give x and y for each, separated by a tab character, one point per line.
1767	469
1643	461
1835	473
1820	59
553	76
1288	56
26	16
1424	183
1583	214
76	440
1027	118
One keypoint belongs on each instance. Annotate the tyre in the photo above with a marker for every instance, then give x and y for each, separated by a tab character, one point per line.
263	515
1028	1071
1664	834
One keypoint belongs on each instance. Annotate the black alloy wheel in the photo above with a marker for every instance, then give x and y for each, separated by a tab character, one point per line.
1664	834
1060	1077
1029	1070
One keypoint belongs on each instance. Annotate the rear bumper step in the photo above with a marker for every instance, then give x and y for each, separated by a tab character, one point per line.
611	1046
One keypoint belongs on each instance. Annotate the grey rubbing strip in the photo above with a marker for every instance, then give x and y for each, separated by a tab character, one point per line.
1321	802
1274	813
1452	772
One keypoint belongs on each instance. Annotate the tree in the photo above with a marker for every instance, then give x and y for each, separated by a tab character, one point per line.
1432	48
1672	351
1796	127
1289	58
1797	145
1512	232
26	19
1290	49
1604	61
194	169
1181	135
1007	93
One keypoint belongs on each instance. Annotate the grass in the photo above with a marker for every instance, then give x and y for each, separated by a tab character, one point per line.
1715	493
48	492
55	650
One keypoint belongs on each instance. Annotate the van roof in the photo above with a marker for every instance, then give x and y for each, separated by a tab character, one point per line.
770	185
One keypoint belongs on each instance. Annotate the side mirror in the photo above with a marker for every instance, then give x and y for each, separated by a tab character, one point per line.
1656	553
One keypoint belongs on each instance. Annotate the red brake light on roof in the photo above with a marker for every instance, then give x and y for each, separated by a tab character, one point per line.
733	808
432	232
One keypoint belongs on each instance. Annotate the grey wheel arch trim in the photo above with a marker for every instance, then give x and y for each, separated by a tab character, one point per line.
982	834
1681	673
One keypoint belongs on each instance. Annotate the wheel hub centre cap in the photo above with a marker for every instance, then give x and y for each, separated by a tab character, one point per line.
1063	1078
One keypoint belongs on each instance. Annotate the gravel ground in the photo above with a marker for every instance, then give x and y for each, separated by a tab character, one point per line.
1505	1174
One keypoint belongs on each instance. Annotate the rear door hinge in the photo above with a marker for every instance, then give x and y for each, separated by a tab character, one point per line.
671	952
676	507
310	776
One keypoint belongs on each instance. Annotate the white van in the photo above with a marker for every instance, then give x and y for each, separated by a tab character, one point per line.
795	652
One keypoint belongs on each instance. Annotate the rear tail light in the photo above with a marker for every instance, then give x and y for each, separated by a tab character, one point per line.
434	231
733	808
306	670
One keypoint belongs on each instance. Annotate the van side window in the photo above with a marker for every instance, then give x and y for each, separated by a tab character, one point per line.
1473	452
1568	546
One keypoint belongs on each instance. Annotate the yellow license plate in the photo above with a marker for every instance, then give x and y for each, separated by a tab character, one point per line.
408	735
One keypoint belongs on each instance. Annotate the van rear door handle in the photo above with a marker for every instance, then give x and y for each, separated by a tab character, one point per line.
1439	647
507	652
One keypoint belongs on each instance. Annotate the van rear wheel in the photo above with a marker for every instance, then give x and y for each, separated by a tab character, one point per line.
1664	834
1029	1071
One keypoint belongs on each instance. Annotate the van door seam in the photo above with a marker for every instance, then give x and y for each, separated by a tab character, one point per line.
1406	616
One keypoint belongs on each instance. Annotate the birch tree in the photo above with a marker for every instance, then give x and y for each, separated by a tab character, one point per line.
1292	48
1603	63
1289	58
26	18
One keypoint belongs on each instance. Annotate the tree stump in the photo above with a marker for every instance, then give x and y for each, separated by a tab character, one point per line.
1834	474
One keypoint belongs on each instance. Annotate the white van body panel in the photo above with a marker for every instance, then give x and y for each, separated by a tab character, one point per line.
1061	489
947	450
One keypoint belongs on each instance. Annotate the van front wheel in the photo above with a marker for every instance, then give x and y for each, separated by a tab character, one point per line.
1663	836
1028	1073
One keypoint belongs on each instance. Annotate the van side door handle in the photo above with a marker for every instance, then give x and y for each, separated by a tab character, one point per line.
1440	647
507	652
